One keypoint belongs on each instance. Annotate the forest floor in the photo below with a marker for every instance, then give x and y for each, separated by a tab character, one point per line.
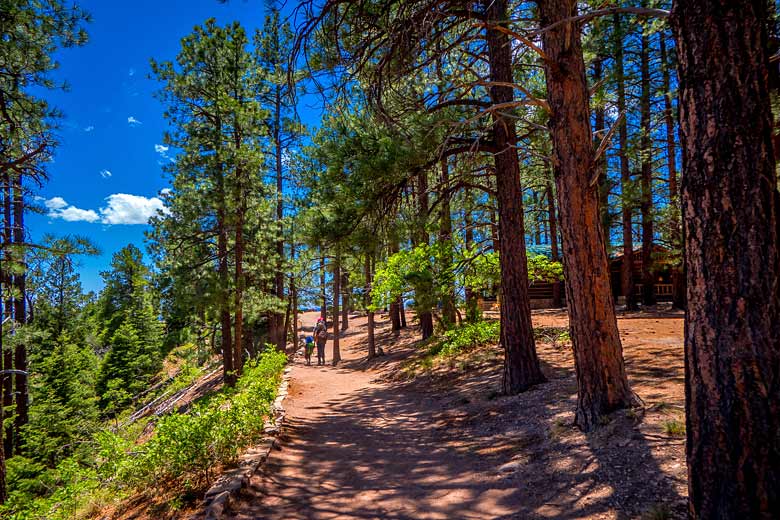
404	437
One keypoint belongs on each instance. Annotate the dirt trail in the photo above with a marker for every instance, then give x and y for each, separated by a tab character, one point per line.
356	447
401	439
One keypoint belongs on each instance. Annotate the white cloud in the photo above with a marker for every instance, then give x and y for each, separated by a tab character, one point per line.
132	121
89	128
165	191
163	151
58	208
130	209
121	208
55	203
131	72
105	174
74	214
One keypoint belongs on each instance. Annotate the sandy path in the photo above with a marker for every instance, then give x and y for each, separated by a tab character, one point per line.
356	447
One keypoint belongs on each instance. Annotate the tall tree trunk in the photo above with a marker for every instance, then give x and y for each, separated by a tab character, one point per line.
521	364
224	281
336	294
445	237
646	143
402	312
324	295
345	291
294	296
20	314
678	278
8	354
238	295
731	236
472	305
369	312
601	376
554	255
422	300
396	306
627	267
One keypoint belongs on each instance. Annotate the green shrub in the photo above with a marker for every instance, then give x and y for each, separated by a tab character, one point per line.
467	337
183	446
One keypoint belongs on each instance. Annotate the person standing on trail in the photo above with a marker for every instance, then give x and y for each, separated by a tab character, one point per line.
321	337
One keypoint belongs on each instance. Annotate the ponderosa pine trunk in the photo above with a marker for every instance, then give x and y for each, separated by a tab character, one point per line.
554	254
420	236
224	281
8	354
731	237
369	312
521	363
646	144
345	301
324	295
21	394
445	237
678	278
396	304
472	305
626	213
336	294
598	355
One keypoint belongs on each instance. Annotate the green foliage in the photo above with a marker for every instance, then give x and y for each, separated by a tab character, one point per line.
467	337
130	331
674	428
183	446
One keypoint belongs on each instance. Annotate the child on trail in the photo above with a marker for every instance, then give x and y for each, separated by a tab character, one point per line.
308	349
321	337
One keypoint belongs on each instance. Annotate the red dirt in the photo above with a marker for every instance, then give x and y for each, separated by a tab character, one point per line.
395	439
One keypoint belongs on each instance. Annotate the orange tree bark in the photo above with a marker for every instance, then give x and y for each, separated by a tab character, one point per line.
521	365
730	229
336	294
601	377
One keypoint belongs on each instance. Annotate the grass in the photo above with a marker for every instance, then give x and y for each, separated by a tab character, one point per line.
674	428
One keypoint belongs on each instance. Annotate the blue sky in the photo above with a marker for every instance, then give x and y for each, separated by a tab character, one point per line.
107	169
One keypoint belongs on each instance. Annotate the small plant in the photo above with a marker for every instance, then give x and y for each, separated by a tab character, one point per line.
466	337
674	428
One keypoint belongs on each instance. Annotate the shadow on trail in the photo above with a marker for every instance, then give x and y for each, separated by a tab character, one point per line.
402	451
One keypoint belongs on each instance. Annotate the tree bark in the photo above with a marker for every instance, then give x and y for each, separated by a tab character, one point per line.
472	305
8	355
627	266
21	394
422	300
554	255
279	334
336	295
521	363
731	237
601	377
224	280
369	312
445	237
395	305
345	301
324	304
648	275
